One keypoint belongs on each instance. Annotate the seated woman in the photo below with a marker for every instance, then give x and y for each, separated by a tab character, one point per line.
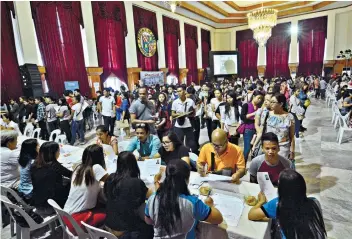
173	149
125	194
9	174
7	122
85	188
29	152
103	137
47	178
297	215
173	211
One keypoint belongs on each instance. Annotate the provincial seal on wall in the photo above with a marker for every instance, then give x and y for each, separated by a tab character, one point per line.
146	42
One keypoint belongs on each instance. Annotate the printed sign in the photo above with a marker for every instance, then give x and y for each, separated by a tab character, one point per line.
152	77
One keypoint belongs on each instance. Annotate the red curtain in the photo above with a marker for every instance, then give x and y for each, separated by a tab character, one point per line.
191	39
110	32
277	51
62	54
206	47
145	18
11	86
311	38
248	49
172	41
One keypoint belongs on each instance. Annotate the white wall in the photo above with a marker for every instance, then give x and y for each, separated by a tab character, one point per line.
339	36
343	32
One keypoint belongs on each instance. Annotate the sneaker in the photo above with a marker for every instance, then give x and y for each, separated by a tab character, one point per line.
82	143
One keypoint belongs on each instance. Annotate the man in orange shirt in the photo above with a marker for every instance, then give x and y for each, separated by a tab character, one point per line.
220	156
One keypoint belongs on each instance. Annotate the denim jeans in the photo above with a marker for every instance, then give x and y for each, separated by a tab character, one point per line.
297	125
77	127
247	138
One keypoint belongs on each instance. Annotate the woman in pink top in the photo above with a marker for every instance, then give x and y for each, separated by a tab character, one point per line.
103	137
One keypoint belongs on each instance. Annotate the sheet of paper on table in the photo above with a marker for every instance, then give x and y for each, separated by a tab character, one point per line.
109	152
149	168
230	207
198	180
266	185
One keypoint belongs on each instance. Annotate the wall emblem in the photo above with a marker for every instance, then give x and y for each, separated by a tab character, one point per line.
146	42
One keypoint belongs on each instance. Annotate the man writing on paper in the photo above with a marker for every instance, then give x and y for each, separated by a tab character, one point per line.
145	143
270	161
221	157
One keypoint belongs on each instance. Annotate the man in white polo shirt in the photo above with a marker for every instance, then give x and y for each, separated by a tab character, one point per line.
181	109
107	106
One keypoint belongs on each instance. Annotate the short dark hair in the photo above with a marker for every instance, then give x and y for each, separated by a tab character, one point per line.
143	126
181	86
98	92
270	137
77	90
191	90
38	98
78	98
67	92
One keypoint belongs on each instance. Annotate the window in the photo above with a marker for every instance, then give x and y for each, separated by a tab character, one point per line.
16	33
114	82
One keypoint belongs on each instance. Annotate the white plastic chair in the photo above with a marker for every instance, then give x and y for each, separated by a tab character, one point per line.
28	130
340	117
4	192
61	213
122	146
55	133
61	139
343	127
24	232
98	233
36	133
335	110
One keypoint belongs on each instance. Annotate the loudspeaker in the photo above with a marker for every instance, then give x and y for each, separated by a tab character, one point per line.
31	81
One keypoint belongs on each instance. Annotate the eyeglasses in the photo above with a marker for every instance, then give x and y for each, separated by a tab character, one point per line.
165	143
219	146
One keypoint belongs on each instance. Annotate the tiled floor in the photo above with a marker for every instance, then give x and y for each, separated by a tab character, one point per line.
325	165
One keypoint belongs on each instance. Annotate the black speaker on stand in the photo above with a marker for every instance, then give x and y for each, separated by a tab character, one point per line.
31	81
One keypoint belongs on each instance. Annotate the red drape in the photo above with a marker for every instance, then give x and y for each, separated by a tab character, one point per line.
206	47
191	39
110	32
277	51
172	41
11	86
63	58
248	49
145	18
311	38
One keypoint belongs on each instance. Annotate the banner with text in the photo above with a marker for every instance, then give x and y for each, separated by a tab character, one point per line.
152	77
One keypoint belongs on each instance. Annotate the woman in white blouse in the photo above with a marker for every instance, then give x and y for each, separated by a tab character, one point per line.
228	115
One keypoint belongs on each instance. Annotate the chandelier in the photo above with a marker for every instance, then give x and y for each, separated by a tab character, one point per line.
261	22
172	4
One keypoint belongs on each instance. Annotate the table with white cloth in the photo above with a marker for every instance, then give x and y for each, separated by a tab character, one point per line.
71	155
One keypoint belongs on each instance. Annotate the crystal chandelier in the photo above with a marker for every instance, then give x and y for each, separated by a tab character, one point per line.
261	22
172	4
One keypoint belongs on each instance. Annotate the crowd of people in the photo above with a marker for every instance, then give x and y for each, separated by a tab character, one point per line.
165	122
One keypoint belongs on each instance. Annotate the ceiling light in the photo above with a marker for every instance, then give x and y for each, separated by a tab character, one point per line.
172	4
261	22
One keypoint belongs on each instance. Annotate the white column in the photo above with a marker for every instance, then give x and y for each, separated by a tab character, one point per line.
161	43
261	56
130	40
199	50
330	39
27	31
293	57
182	48
87	15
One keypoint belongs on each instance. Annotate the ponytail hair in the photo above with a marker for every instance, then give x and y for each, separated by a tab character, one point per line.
175	184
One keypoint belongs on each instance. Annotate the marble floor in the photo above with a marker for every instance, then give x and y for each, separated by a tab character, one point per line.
325	165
